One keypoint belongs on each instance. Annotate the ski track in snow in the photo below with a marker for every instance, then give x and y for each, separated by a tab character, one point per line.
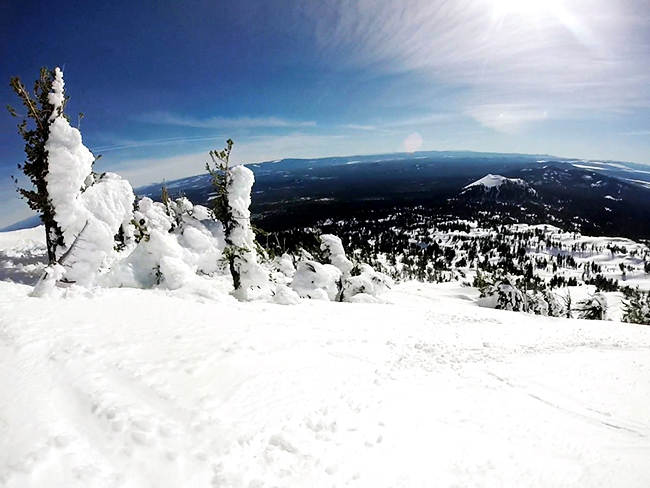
135	388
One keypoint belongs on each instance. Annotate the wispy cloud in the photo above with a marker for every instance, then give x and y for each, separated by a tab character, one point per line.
253	149
360	127
131	144
508	118
433	118
530	57
399	126
166	118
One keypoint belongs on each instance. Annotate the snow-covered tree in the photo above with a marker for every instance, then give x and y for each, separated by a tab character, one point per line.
338	278
232	201
594	307
317	281
536	304
41	110
509	297
636	307
82	214
175	242
89	211
555	308
333	251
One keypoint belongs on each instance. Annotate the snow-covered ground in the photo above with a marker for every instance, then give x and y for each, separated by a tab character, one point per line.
153	388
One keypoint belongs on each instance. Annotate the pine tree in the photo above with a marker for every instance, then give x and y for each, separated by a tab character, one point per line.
568	310
221	178
41	112
636	307
594	307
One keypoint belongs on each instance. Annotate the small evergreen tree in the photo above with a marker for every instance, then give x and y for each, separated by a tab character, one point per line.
594	307
231	206
568	310
221	177
636	309
555	308
41	111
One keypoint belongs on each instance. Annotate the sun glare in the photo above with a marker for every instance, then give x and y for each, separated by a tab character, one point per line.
540	12
526	7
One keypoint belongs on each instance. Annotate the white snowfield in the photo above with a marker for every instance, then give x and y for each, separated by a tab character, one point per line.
153	388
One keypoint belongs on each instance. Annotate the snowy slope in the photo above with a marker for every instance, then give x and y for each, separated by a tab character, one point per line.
139	388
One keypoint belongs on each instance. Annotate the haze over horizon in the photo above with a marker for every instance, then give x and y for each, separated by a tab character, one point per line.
162	84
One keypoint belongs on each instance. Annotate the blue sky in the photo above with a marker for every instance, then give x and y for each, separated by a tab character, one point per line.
162	83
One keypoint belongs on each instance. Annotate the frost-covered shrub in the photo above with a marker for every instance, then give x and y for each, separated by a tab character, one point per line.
284	264
82	213
241	249
536	303
285	296
352	280
333	252
316	281
106	207
543	303
636	308
555	307
594	307
509	297
502	293
364	280
181	242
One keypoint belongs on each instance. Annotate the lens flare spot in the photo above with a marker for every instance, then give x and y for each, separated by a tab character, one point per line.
413	142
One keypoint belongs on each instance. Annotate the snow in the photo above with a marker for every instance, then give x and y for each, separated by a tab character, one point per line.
253	275
586	166
316	281
57	96
492	181
109	205
170	259
168	388
69	164
333	248
643	183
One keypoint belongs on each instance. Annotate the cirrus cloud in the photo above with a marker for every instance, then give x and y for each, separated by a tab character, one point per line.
510	63
166	118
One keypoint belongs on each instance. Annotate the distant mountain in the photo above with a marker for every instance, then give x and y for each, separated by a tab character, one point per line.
28	223
610	198
498	188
